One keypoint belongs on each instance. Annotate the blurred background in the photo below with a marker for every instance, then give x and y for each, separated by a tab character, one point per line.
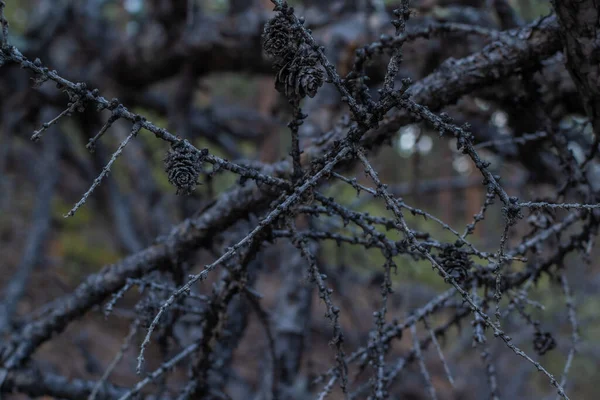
197	69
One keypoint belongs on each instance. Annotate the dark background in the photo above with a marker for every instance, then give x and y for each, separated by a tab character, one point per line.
204	77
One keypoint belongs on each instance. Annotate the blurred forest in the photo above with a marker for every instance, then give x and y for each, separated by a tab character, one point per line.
408	212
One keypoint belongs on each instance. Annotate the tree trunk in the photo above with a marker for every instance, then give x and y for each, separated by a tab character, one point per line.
580	23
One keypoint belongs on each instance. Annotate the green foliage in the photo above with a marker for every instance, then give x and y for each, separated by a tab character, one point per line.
16	12
81	249
82	217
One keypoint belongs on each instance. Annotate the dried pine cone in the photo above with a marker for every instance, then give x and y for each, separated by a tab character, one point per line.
543	342
300	77
183	166
278	39
455	263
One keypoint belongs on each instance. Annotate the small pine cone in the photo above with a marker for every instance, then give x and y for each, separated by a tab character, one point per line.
543	342
183	166
455	263
300	77
278	38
